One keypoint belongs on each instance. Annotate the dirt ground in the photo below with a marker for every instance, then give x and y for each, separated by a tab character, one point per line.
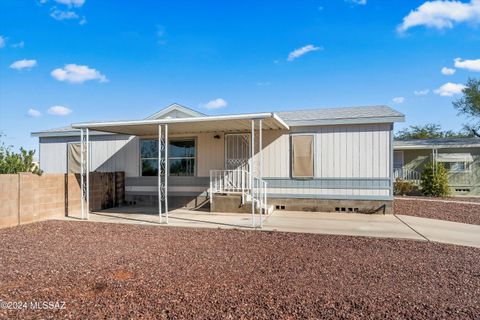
456	212
133	271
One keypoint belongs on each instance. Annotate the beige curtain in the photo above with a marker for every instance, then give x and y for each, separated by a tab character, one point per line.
302	157
73	158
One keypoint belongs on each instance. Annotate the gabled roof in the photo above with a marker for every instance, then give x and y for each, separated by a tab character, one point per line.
349	115
443	143
181	111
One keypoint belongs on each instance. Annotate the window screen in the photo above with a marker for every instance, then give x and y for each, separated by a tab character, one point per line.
302	156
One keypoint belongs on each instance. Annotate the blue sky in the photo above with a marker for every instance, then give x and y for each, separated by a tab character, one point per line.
65	61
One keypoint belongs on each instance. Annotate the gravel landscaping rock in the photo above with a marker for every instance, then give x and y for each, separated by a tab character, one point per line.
133	271
456	212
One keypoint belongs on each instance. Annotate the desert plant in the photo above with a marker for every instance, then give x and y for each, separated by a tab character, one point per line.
402	187
434	181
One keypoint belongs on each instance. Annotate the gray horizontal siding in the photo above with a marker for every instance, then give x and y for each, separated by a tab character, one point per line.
329	196
172	181
330	183
317	183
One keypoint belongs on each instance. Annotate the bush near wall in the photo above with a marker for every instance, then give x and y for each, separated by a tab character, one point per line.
434	181
403	187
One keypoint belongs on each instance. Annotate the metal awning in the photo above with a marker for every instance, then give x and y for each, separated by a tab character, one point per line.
228	123
454	157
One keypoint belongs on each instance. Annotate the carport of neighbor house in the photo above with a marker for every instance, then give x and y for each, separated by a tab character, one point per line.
252	186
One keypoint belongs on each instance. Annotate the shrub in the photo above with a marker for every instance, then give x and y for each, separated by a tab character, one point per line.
434	181
13	162
402	187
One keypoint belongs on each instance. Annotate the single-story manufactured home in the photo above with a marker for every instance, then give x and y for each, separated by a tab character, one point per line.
336	159
460	156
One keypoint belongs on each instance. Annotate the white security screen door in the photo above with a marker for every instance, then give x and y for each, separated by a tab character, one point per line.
398	161
237	151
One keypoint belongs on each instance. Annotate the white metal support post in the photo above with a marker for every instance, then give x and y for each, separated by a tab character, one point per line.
162	172
159	172
82	183
87	165
166	173
252	164
260	152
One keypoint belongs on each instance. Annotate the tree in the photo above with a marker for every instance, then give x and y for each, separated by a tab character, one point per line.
429	131
469	105
15	162
434	181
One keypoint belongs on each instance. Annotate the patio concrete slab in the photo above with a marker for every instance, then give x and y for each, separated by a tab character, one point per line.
177	218
383	226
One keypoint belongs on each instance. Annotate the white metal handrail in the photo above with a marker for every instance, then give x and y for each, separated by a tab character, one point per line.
407	175
252	188
259	196
229	181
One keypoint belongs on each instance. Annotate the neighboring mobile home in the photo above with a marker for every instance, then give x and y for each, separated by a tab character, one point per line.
336	159
460	156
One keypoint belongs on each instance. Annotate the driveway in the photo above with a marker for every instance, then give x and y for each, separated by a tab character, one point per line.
381	226
386	226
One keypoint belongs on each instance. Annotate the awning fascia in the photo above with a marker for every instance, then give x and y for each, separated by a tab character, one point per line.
454	157
104	126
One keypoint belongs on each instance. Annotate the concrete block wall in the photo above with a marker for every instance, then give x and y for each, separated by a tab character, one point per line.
26	197
9	208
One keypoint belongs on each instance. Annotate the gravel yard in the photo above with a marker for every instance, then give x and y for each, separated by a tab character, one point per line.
132	271
456	212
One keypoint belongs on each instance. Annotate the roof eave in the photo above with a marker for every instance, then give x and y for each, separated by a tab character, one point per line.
306	123
438	146
71	133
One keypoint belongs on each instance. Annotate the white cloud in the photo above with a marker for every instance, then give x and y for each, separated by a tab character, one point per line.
449	89
33	113
63	15
398	100
2	42
215	104
441	14
23	64
71	3
470	65
421	92
297	53
74	73
263	83
20	44
59	111
447	71
360	2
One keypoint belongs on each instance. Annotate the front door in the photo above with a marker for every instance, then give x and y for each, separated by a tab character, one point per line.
237	151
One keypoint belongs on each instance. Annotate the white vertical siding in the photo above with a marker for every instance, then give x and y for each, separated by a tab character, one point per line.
107	153
348	151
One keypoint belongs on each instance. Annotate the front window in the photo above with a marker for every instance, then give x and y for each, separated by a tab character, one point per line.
456	166
181	157
149	157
